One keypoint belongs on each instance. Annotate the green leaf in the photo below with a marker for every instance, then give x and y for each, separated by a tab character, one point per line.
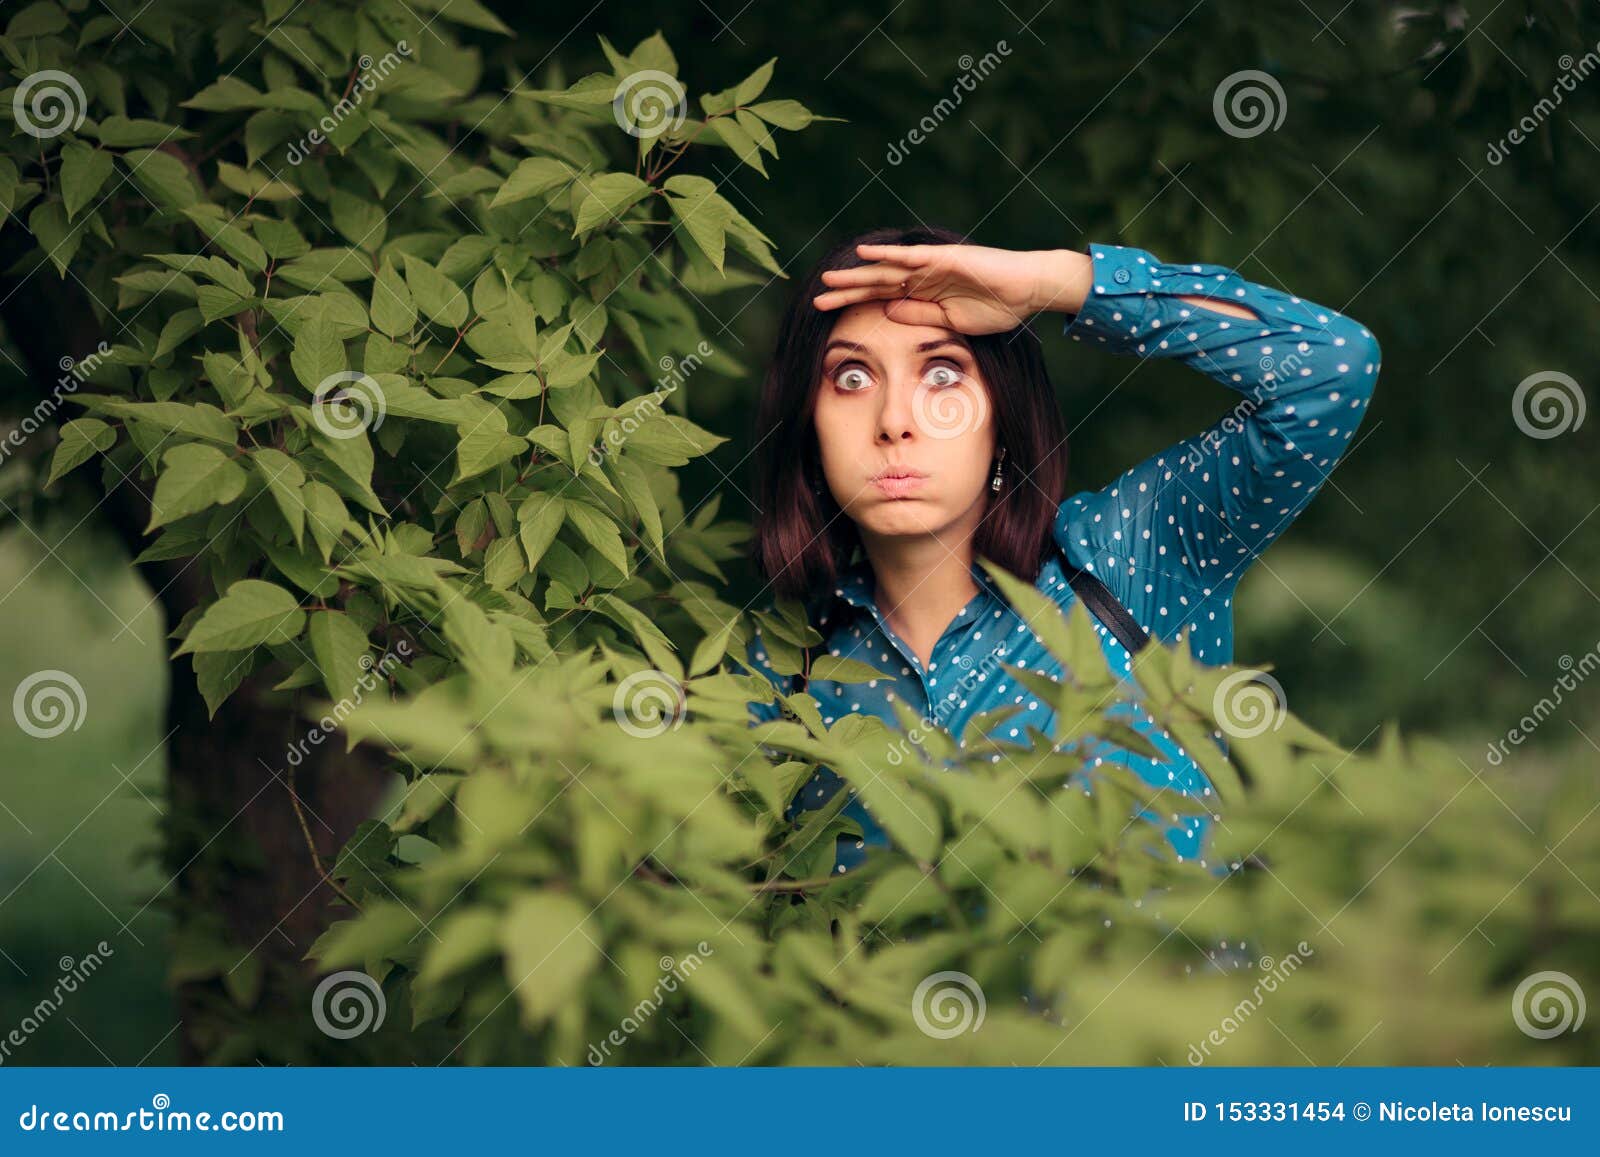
503	563
251	614
630	476
441	299
217	674
742	143
338	644
465	937
83	171
228	237
179	328
81	439
285	482
606	197
362	222
59	239
531	177
201	420
326	515
161	177
755	84
351	455
193	477
539	519
703	213
487	649
226	95
708	653
483	443
599	531
393	311
118	132
786	114
551	947
318	353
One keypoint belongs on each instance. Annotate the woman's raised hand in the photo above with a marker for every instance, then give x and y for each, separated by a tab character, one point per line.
972	289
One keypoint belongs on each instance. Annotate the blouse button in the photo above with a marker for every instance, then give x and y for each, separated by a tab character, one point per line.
1121	276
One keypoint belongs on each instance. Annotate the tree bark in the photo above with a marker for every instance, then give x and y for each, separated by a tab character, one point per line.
233	847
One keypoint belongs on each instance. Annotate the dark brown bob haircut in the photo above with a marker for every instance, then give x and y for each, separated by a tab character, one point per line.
803	541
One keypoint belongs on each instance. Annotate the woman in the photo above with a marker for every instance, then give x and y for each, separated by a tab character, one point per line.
907	427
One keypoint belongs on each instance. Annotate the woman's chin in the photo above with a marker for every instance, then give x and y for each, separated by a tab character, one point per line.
903	517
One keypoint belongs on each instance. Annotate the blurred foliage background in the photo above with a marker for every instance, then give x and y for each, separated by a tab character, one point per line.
1439	580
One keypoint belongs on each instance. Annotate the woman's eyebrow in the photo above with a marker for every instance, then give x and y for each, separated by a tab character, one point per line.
923	347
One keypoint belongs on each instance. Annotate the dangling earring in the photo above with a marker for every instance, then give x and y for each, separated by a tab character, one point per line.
999	466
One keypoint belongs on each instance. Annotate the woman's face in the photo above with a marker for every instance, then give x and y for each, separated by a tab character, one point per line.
904	426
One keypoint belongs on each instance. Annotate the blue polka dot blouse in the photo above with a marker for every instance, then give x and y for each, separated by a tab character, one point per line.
1170	537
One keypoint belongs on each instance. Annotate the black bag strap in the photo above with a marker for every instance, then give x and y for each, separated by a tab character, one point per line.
1106	607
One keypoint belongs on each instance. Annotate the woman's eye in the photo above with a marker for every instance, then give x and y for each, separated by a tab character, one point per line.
942	376
852	378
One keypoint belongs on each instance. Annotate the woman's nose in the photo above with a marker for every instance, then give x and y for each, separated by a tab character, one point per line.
897	416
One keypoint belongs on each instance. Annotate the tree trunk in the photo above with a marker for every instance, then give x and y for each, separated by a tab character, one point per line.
237	859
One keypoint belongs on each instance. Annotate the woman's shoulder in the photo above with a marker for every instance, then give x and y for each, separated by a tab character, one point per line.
1090	534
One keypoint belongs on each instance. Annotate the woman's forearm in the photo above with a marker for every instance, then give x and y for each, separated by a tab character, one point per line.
1064	279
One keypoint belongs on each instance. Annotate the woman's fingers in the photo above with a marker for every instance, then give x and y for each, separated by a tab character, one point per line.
879	273
912	311
838	298
910	255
